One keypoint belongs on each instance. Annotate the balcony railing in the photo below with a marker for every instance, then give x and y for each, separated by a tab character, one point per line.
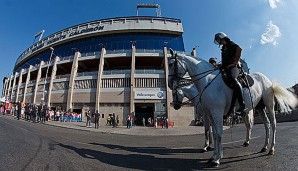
111	72
62	76
149	71
82	74
118	51
149	51
138	71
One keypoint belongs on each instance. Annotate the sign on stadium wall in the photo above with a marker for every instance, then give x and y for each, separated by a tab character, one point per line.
150	95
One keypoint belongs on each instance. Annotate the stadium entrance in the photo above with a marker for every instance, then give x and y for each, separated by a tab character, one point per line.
143	110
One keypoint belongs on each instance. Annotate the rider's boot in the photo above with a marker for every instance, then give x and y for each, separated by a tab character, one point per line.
242	110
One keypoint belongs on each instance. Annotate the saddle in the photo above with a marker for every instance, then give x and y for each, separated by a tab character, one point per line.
244	79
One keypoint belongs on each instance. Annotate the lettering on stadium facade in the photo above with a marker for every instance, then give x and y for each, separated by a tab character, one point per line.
85	30
149	94
60	36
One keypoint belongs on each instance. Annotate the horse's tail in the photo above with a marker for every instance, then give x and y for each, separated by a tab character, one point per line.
286	100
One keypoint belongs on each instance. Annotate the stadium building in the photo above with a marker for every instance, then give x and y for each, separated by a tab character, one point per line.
115	65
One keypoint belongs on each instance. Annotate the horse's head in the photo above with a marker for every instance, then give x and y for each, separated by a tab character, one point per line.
176	68
178	95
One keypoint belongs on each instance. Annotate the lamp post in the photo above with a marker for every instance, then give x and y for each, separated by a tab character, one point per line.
44	85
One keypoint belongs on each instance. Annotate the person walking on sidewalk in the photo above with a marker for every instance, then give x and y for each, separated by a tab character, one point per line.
88	115
117	120
144	121
128	121
96	117
114	120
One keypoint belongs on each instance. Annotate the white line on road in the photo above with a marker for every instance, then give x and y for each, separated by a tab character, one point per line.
240	140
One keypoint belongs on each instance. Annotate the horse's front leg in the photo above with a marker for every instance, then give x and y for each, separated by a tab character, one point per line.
215	151
248	120
218	133
208	137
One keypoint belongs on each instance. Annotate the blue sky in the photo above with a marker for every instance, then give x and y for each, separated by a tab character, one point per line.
265	29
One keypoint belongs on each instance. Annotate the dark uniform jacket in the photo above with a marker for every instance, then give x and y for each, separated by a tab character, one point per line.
230	55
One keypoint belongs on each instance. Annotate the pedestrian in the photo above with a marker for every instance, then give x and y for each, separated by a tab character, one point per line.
96	119
114	120
44	113
128	121
34	113
149	122
39	113
144	121
30	112
27	112
108	120
58	115
155	122
19	110
88	123
166	122
117	120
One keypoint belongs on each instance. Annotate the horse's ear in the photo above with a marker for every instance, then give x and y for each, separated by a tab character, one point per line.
171	52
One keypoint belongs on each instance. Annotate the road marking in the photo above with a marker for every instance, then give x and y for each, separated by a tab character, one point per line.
240	140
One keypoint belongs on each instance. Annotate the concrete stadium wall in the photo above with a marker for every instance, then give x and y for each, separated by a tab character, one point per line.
182	117
281	117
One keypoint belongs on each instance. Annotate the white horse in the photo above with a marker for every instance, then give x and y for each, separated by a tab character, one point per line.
216	96
191	92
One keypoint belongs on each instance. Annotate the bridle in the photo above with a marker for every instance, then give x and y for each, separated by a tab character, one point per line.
187	81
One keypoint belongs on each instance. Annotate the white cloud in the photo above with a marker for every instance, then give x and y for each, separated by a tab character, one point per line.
271	34
273	3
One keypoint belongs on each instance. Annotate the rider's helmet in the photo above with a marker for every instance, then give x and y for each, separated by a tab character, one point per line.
212	60
218	37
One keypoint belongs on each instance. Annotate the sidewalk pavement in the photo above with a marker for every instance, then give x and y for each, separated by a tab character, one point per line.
135	130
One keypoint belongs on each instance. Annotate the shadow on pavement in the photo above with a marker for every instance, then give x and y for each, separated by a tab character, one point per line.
141	161
149	150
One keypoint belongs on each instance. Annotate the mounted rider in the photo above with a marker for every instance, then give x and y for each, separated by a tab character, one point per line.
230	56
213	62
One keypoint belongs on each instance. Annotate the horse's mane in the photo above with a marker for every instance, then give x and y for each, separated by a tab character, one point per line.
196	58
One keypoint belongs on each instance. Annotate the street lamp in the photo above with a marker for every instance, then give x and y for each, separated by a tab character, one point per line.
45	80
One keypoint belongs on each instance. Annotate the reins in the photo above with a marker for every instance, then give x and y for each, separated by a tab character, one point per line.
205	73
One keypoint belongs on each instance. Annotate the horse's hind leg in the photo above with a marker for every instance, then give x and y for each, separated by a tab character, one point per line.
271	116
266	122
269	103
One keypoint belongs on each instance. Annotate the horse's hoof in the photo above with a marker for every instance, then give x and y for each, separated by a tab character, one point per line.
213	164
209	148
271	152
263	150
245	144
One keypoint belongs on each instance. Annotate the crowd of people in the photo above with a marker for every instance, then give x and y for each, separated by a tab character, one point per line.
41	113
150	122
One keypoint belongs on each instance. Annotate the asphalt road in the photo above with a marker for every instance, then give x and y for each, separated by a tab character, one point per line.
28	146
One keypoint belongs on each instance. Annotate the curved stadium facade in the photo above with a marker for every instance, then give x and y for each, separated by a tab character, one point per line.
112	65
